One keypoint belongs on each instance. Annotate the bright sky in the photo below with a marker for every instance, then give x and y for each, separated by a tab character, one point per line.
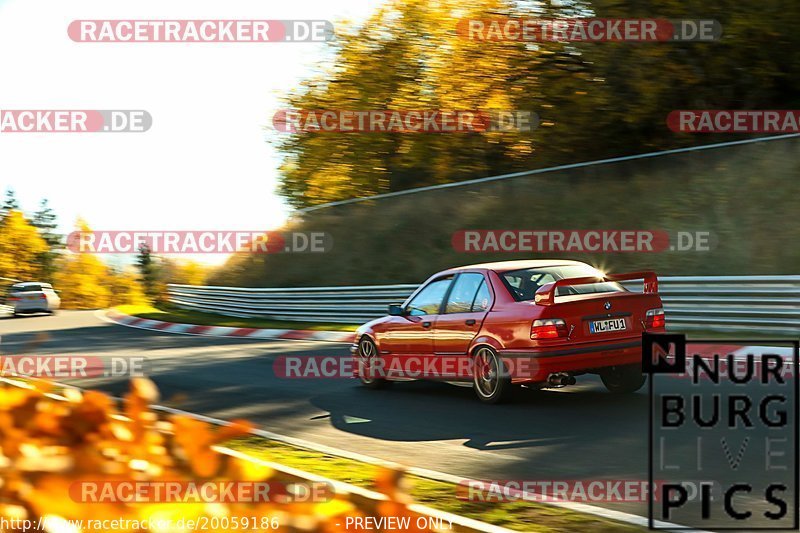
205	163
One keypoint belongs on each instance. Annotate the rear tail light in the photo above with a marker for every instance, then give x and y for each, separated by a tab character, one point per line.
13	298
654	318
548	328
43	297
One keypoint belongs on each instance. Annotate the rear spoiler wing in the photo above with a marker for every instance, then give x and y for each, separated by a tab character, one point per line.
546	293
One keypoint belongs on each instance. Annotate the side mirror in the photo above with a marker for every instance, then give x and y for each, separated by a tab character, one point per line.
396	310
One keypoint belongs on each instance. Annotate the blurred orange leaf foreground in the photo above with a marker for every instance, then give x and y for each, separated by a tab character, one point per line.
49	445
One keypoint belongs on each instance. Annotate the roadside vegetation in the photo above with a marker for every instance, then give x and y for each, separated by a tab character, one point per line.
594	100
31	250
744	196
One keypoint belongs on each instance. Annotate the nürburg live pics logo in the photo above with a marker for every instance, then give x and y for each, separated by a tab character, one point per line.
724	412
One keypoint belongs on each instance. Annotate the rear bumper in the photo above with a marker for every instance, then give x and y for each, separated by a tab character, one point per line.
31	307
528	366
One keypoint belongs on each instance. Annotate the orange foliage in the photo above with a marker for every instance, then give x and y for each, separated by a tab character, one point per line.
49	444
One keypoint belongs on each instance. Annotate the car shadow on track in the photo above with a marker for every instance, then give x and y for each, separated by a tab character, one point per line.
437	411
583	432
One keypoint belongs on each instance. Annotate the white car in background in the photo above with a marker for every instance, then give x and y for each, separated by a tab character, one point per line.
32	297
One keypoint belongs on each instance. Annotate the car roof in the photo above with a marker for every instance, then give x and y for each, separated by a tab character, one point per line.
506	266
29	283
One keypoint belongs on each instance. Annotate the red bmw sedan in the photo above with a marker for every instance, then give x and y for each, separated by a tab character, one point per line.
537	323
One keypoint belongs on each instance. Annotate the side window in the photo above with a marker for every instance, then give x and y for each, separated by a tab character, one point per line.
463	293
429	299
525	285
514	284
537	280
514	281
482	298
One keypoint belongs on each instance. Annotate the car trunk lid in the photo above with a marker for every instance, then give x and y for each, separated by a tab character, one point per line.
600	316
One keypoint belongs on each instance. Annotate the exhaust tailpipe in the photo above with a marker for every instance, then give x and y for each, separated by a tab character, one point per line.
560	379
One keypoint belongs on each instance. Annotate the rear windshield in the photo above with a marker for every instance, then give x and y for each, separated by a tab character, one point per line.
523	284
25	288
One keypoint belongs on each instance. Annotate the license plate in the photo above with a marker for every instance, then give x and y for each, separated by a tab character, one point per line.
31	297
604	326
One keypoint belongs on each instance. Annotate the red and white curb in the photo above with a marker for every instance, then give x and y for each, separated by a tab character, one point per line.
224	331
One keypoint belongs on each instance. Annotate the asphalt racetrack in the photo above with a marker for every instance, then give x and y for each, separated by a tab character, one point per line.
578	432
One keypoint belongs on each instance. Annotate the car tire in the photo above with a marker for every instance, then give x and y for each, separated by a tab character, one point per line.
625	379
490	386
368	353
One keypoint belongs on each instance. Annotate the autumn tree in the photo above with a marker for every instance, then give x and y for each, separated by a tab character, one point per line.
81	278
86	282
124	288
10	203
407	56
182	272
21	247
45	221
594	100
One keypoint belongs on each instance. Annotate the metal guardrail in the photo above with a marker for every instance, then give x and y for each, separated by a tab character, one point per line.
766	304
315	304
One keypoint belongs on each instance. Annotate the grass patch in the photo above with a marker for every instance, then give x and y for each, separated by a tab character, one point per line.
518	515
724	192
183	316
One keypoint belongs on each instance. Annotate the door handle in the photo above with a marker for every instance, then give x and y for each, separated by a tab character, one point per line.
426	324
470	322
